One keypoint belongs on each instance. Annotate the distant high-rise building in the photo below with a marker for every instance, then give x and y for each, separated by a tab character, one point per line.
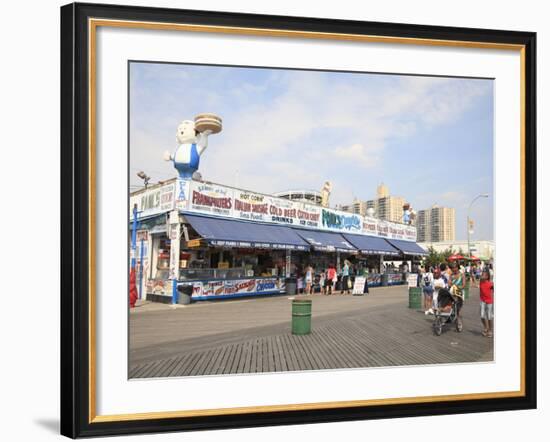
436	224
359	207
382	191
385	206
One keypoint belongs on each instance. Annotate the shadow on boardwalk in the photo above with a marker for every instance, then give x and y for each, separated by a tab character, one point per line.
382	335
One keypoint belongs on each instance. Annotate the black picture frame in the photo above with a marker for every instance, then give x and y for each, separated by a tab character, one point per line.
76	249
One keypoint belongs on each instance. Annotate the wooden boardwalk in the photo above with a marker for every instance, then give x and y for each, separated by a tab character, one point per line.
383	335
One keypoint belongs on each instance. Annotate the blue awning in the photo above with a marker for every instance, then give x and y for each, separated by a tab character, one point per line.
326	241
371	244
407	247
230	233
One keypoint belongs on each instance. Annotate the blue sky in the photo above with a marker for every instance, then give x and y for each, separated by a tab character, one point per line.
430	140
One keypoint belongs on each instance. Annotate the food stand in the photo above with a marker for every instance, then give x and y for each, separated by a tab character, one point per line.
227	242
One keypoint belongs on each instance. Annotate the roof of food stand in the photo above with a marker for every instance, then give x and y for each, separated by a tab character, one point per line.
371	244
326	241
407	247
231	233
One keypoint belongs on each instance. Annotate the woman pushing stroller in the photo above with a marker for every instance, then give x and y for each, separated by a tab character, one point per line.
449	301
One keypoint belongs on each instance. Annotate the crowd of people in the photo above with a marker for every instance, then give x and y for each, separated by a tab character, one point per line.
454	278
329	280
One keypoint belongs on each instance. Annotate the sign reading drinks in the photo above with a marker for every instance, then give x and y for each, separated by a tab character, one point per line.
216	200
257	207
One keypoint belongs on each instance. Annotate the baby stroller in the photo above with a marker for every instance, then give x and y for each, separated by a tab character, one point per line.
449	303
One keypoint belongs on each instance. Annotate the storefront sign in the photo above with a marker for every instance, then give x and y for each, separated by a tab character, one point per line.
217	200
175	232
359	285
181	194
251	206
210	199
142	235
194	243
412	280
395	278
159	287
236	287
153	201
341	221
370	226
374	279
211	288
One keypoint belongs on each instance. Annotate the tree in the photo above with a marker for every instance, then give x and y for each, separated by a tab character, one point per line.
433	258
446	253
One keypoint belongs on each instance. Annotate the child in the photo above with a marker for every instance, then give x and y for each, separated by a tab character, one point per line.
300	284
486	295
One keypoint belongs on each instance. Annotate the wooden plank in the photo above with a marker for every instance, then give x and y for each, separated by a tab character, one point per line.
290	356
247	358
205	357
237	358
194	359
281	353
178	368
214	362
224	362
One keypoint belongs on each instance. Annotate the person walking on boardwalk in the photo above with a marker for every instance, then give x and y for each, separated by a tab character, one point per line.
309	279
322	281
427	284
486	297
456	287
331	276
345	277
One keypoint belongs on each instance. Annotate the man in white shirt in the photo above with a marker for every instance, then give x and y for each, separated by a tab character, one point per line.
440	282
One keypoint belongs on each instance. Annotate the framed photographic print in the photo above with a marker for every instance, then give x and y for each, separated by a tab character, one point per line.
273	220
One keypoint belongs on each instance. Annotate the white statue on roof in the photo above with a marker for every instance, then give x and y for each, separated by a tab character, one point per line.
325	193
192	138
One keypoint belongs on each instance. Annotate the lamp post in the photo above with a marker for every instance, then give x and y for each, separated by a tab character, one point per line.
141	174
483	195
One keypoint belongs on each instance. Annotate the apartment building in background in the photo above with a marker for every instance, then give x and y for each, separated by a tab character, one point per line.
385	206
436	224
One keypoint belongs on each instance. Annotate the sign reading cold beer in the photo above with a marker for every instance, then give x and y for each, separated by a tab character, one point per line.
257	207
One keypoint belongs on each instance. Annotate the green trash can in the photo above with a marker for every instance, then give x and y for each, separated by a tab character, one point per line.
301	316
415	297
466	292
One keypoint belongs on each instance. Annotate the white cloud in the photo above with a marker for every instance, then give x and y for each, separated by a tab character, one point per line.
293	137
359	154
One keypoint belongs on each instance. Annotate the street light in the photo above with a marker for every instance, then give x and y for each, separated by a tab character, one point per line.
144	177
483	195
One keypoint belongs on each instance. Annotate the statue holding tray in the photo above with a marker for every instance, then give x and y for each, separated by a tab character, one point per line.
192	137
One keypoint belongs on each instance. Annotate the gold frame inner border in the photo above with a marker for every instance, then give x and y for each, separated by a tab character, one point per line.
93	24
